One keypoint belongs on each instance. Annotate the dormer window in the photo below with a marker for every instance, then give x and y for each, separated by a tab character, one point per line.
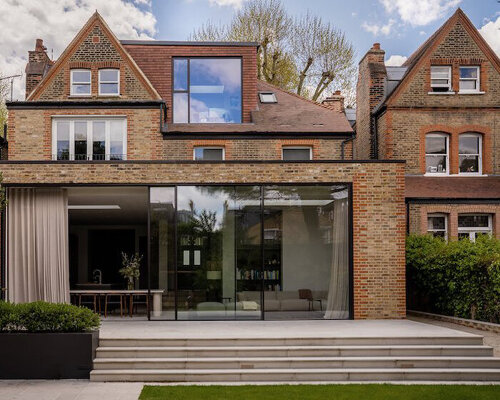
441	78
207	90
109	82
267	97
80	82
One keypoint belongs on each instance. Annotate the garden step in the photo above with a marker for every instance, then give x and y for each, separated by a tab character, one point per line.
295	362
324	341
295	351
296	375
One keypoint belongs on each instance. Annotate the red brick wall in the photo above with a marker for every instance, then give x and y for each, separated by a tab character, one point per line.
156	63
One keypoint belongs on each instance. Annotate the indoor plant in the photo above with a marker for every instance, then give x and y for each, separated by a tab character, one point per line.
130	270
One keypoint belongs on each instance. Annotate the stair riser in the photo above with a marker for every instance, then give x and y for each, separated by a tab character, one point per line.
493	363
288	342
294	353
298	377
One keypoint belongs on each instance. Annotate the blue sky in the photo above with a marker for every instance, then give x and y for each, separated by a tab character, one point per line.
363	21
399	25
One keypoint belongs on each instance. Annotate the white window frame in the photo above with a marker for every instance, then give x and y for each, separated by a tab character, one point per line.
441	85
473	231
273	97
73	82
478	79
479	155
90	120
209	148
447	137
445	230
117	82
297	148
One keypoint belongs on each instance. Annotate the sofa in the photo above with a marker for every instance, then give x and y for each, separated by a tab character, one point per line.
286	300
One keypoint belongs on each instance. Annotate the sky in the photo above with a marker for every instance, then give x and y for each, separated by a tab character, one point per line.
399	25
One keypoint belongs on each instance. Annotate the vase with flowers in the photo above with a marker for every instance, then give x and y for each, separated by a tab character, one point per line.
130	268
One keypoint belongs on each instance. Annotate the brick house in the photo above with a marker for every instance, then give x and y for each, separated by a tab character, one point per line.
440	112
242	200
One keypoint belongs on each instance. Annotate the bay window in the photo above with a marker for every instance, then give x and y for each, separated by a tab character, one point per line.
436	153
89	138
470	226
469	153
207	90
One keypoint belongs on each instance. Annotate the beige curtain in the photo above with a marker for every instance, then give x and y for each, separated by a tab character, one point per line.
337	306
37	245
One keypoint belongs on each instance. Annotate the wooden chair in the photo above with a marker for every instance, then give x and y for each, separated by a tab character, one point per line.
111	301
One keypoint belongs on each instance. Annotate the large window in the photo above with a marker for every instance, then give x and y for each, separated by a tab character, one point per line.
472	225
469	79
89	139
469	149
436	153
437	225
109	82
80	82
207	90
441	78
297	153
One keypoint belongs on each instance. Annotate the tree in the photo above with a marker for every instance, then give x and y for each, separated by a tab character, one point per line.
304	55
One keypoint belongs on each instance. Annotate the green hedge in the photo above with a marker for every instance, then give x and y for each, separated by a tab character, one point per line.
40	316
457	278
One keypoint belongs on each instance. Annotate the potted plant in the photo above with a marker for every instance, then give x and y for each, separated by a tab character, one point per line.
130	270
42	340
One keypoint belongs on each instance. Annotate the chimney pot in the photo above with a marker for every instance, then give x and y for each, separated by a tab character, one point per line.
39	45
376	46
337	93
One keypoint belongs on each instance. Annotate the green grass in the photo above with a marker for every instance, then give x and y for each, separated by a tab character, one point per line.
322	392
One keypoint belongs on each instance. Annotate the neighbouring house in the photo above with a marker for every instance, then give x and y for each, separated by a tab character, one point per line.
439	111
242	200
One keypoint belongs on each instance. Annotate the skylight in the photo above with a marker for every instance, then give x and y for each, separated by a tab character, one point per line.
267	97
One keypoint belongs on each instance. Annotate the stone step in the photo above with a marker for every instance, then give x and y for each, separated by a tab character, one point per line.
292	341
296	351
227	363
296	375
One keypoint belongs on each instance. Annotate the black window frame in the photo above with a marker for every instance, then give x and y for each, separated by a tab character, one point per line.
187	91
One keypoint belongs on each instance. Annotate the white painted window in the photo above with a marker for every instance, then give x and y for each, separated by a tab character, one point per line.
441	78
470	226
80	82
469	154
89	138
296	153
436	153
469	79
208	153
437	225
109	82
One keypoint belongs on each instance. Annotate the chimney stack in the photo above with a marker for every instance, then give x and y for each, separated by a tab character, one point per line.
335	102
38	65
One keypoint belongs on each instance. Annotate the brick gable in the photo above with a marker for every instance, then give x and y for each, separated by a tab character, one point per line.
95	47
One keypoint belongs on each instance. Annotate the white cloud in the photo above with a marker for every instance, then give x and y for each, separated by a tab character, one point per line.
491	33
419	12
57	22
230	3
379	29
395	60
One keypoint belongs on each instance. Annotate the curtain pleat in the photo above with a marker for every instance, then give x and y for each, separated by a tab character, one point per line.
337	306
37	245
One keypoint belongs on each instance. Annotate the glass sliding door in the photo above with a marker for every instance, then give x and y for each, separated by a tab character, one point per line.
162	252
306	252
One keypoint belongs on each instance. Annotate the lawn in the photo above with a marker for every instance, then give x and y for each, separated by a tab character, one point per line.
322	392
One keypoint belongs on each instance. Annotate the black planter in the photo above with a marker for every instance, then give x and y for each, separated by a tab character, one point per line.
47	355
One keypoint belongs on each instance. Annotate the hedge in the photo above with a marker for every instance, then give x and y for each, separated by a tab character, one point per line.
40	316
456	278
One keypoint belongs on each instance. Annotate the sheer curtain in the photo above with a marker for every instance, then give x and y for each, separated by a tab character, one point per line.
37	245
337	306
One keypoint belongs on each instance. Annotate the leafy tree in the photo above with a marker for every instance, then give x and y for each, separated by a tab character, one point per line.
305	55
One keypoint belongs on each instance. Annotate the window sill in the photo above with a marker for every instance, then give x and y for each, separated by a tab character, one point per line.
472	175
441	93
109	95
80	96
471	92
435	174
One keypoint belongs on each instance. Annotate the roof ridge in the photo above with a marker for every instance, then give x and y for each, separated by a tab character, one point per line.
297	95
